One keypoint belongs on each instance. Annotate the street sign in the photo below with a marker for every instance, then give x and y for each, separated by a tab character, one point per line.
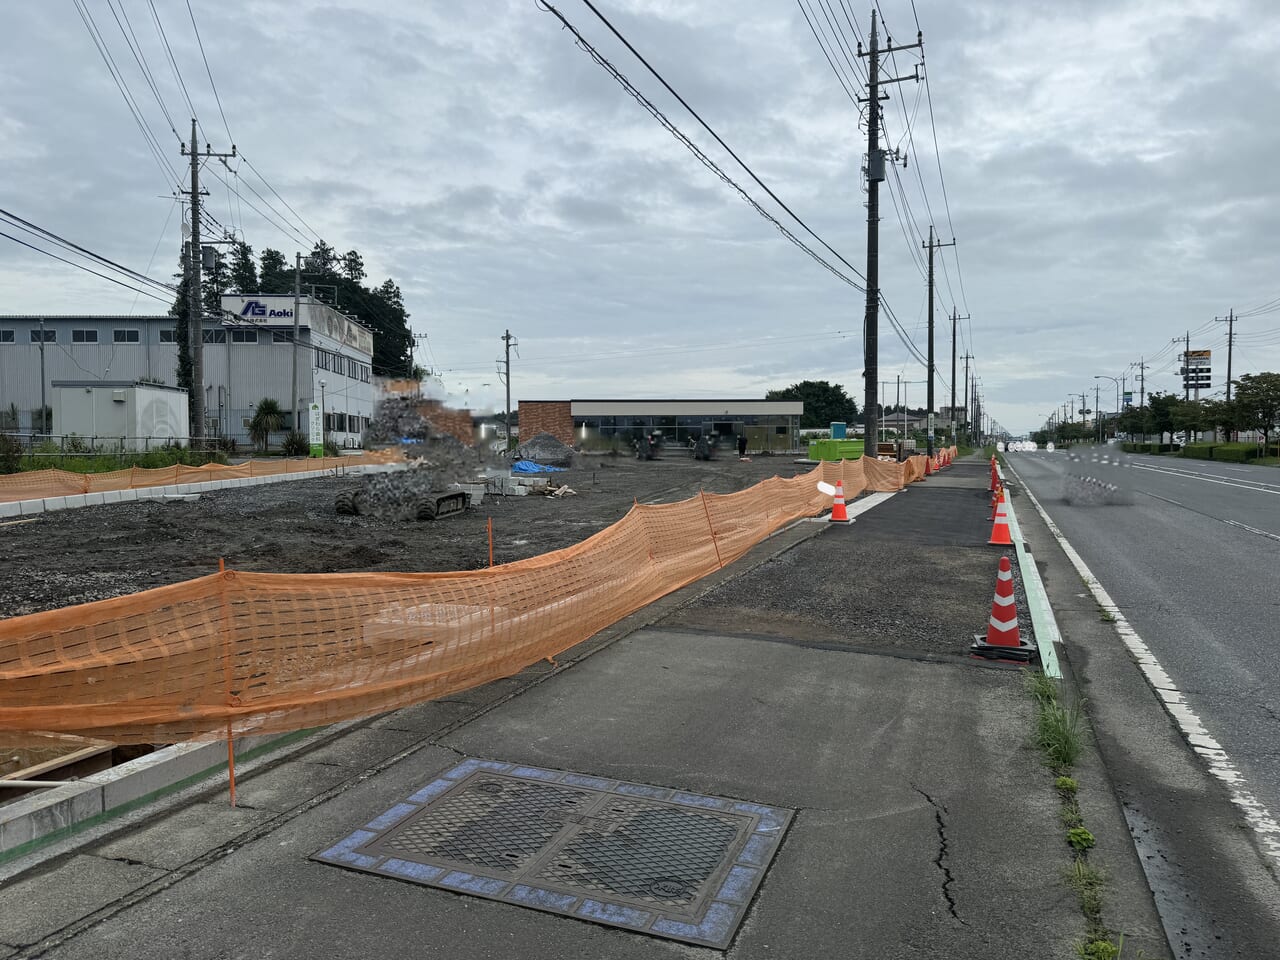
316	431
1128	398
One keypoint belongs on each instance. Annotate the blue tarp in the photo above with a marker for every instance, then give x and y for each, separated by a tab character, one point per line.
528	466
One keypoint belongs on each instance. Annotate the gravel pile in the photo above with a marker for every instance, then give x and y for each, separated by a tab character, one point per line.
546	449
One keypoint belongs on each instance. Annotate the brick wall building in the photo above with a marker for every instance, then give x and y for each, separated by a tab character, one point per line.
456	423
547	416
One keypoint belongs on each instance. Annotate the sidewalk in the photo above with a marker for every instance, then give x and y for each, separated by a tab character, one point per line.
824	674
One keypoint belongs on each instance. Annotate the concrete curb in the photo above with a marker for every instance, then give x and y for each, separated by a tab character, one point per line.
27	508
1048	636
45	816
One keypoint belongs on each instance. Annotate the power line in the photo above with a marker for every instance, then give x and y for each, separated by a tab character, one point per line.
217	98
173	63
840	76
249	164
148	135
706	161
751	173
81	266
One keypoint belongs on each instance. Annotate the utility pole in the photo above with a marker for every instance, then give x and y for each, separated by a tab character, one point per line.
967	421
875	173
954	318
1097	420
931	246
297	323
195	306
44	403
505	375
1230	320
1186	381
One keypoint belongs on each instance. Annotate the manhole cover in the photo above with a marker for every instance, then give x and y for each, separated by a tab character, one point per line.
678	865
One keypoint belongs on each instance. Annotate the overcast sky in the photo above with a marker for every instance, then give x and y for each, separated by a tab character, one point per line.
1110	170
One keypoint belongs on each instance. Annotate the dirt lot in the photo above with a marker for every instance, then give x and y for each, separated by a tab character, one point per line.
76	556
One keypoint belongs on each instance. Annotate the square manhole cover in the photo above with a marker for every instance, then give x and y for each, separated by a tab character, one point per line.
653	859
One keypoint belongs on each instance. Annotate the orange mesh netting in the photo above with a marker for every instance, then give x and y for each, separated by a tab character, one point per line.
267	653
38	484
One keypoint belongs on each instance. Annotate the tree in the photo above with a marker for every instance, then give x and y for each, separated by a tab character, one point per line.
824	402
322	260
1257	400
244	272
353	266
1189	416
272	264
267	419
1161	406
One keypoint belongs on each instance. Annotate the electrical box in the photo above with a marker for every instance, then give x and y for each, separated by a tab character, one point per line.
117	396
875	165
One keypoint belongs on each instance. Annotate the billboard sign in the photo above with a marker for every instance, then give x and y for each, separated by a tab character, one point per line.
1197	358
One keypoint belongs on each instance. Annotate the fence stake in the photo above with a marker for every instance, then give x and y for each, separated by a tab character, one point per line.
226	672
714	542
490	541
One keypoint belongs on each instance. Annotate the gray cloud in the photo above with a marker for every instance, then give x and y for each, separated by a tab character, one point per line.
1108	164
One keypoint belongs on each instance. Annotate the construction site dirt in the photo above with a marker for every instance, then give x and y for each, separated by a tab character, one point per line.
78	556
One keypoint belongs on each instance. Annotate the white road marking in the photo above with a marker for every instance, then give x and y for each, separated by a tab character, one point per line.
1245	526
1165	499
1257	486
1217	760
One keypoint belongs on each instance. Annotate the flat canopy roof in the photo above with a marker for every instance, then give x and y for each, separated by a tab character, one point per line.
685	408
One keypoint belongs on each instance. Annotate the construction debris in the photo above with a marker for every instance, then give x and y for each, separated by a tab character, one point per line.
400	495
545	449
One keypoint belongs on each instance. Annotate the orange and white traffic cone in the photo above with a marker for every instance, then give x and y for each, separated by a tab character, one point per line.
1000	529
838	512
1002	640
996	497
928	466
995	477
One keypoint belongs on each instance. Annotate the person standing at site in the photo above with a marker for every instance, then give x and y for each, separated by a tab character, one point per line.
742	444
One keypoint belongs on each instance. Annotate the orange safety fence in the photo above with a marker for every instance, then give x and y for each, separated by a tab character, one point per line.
38	484
268	653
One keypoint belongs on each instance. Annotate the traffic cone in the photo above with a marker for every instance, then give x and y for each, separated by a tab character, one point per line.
838	512
928	466
1002	640
996	498
1000	529
995	477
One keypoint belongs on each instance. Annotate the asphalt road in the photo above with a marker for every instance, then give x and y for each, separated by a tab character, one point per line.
1191	560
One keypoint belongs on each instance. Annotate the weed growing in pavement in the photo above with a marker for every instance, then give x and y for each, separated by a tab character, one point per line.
1071	816
1080	838
1107	617
1060	734
1043	689
1099	949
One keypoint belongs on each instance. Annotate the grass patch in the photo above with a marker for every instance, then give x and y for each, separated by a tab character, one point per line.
1043	689
1060	734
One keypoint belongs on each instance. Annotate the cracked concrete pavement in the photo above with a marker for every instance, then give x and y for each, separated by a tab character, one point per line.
925	824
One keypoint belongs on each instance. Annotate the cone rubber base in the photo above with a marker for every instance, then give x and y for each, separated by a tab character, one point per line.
1024	652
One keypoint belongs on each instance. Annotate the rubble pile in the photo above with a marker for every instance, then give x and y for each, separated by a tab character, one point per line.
546	449
389	496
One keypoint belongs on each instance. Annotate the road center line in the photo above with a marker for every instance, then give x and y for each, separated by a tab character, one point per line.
1219	763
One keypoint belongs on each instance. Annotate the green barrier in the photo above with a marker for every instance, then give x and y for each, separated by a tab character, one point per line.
835	449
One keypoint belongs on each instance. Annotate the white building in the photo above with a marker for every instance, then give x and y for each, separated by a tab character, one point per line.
133	416
247	356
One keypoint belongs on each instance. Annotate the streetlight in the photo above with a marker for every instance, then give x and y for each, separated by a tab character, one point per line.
1103	376
324	423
